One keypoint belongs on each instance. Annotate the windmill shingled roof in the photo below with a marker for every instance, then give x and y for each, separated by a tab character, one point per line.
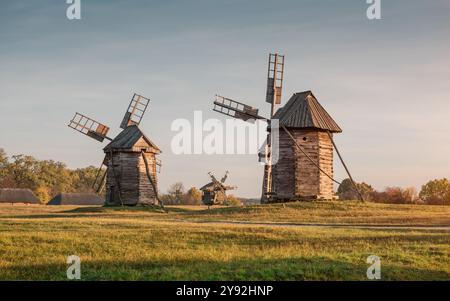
304	111
128	138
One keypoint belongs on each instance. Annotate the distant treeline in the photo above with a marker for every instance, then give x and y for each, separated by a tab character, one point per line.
45	178
435	192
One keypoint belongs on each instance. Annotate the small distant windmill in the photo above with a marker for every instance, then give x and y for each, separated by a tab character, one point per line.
305	166
215	191
130	158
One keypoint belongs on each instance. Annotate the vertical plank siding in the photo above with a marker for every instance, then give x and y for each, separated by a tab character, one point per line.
294	175
129	169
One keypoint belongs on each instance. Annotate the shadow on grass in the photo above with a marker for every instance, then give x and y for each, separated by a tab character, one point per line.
109	209
314	268
95	211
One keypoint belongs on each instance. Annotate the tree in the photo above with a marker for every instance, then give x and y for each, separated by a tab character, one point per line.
44	177
410	195
193	196
6	180
3	158
436	192
23	171
394	195
43	194
346	191
176	193
83	178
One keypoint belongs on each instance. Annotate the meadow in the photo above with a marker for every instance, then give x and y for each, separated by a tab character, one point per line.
295	241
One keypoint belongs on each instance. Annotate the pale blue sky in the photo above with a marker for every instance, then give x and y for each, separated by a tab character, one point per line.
386	82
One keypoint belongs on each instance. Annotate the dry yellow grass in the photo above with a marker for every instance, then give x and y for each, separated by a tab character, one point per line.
143	243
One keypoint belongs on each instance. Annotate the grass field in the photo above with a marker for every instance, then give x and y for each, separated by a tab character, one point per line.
187	243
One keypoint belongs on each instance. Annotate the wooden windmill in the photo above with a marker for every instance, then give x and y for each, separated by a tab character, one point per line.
304	169
215	191
130	158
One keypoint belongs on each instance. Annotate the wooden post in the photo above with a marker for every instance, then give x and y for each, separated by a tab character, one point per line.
345	166
115	178
147	170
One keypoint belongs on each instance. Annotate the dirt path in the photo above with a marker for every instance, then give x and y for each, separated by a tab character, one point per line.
358	226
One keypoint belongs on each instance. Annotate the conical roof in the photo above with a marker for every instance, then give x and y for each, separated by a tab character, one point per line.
304	111
128	138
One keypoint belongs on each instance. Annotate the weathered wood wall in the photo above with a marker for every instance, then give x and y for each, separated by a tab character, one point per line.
306	173
146	193
325	163
124	176
131	177
294	175
284	170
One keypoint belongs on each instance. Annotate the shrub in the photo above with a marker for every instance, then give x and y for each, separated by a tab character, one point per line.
232	201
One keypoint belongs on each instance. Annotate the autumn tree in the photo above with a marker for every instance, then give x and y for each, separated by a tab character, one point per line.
6	180
83	178
45	177
346	190
193	196
436	192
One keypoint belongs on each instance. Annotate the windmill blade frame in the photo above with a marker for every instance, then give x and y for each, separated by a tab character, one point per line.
135	111
89	127
224	178
275	75
236	109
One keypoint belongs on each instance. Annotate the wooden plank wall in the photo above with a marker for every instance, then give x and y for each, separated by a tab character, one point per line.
146	193
326	163
306	173
284	170
295	176
125	164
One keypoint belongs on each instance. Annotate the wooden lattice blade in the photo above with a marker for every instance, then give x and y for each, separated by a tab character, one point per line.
136	110
89	127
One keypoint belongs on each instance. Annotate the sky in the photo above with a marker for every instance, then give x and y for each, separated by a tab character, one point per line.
385	82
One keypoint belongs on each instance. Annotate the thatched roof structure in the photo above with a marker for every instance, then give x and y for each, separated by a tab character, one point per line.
304	111
77	199
17	195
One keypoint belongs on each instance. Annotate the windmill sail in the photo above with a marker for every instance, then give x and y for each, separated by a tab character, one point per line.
135	112
275	78
89	127
235	109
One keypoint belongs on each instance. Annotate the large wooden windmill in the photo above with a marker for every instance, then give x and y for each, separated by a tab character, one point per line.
130	158
304	169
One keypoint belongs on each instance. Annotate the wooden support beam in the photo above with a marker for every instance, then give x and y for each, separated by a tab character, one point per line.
345	166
